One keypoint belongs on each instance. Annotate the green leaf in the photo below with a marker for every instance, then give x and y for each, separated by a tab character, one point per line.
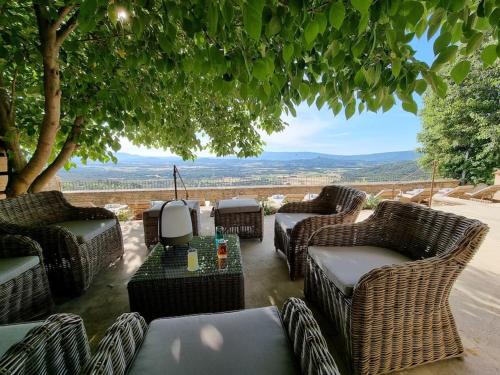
489	55
420	86
388	103
304	90
336	108
413	11
460	71
259	70
311	32
274	26
395	66
350	109
474	43
287	52
336	14
410	106
361	6
252	17
358	48
213	18
322	22
445	56
441	42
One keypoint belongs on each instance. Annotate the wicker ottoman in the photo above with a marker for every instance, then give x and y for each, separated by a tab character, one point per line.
243	217
150	220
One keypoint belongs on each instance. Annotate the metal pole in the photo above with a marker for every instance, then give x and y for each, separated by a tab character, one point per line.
175	181
432	182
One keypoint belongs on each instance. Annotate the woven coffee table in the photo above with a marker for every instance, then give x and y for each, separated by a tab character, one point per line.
162	286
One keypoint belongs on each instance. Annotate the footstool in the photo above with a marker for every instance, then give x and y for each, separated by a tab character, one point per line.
151	216
243	217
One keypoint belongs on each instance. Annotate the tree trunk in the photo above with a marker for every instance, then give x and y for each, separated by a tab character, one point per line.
64	155
50	124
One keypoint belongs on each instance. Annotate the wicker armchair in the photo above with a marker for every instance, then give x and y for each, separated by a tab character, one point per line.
396	315
118	350
25	293
296	221
58	345
71	259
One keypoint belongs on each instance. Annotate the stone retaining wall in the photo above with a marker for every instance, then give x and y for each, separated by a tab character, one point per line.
138	200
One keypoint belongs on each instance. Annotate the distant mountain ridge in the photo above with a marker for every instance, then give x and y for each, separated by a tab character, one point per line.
383	157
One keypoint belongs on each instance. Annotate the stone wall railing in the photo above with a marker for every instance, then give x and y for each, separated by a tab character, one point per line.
139	200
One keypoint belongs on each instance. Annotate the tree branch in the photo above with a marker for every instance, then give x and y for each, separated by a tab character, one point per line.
67	28
70	145
63	13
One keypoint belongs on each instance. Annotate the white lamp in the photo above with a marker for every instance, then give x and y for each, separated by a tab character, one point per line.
175	228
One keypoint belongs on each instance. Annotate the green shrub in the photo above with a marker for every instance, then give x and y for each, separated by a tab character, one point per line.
371	202
269	209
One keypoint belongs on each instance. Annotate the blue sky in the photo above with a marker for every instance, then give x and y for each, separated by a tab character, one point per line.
320	131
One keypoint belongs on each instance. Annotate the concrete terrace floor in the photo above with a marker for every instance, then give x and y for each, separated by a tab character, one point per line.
475	299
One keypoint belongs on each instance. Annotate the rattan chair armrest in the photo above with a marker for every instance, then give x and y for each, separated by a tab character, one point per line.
308	343
313	206
91	213
353	234
403	277
118	348
40	352
12	245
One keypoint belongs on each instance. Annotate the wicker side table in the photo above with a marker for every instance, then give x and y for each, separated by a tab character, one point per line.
244	217
151	216
163	286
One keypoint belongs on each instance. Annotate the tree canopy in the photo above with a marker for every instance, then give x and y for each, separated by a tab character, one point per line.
462	131
75	76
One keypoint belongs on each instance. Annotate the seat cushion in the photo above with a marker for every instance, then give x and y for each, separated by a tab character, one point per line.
345	266
13	333
154	211
288	220
11	268
234	206
243	342
86	230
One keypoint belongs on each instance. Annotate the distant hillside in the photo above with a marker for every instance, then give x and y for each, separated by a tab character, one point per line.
379	157
384	157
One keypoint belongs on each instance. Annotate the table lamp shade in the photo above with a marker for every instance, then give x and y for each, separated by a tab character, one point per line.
175	227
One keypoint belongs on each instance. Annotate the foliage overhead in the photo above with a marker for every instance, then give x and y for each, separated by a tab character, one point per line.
172	73
462	131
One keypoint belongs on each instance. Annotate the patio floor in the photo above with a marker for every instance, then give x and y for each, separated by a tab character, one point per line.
475	298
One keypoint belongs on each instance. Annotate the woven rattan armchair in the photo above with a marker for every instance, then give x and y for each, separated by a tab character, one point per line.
71	260
118	349
24	295
296	221
398	315
58	345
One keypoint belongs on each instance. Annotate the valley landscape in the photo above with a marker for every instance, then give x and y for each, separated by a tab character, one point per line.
271	168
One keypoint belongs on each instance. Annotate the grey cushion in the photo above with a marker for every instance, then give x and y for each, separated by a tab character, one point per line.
154	211
345	266
288	221
11	268
243	342
234	206
86	230
13	333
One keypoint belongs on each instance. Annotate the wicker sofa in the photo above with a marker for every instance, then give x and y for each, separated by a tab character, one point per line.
24	288
385	284
77	242
296	221
255	341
